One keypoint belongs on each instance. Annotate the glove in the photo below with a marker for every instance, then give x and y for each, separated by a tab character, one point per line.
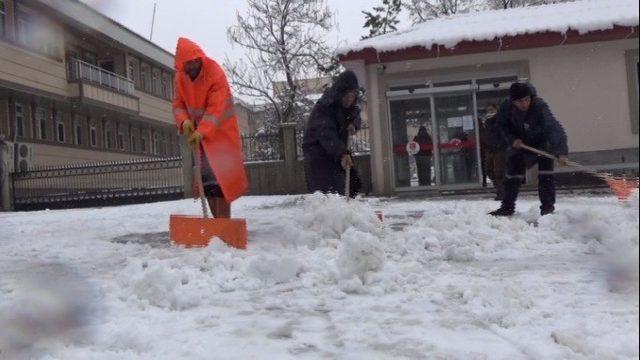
346	161
563	161
194	139
188	128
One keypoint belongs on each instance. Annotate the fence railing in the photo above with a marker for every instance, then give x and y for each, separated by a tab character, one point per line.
263	147
360	144
99	184
80	70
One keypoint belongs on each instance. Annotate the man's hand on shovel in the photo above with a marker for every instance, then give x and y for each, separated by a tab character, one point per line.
188	128
194	139
563	160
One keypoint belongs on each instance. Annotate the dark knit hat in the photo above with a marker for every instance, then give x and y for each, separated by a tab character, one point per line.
519	90
346	81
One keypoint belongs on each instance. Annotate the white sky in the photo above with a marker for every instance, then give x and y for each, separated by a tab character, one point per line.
206	21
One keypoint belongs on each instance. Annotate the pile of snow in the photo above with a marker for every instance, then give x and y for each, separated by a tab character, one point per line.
358	254
325	217
583	16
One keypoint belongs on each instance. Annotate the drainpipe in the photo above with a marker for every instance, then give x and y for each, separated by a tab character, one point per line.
564	38
633	30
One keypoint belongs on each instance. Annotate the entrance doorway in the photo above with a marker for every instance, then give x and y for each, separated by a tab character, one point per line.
435	132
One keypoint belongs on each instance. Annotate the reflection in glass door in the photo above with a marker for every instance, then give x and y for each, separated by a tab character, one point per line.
456	139
412	143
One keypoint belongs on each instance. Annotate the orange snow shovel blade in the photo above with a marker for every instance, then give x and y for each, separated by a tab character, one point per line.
196	231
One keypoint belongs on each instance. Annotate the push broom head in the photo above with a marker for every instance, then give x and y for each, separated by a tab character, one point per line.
622	187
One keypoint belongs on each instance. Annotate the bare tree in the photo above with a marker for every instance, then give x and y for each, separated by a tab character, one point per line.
423	10
507	4
285	42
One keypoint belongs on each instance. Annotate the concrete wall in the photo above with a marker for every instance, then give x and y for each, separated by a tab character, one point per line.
586	86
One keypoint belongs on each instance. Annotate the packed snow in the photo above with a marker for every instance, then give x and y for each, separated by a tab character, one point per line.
324	278
582	15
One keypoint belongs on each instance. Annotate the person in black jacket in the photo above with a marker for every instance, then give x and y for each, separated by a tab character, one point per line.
334	118
526	119
423	157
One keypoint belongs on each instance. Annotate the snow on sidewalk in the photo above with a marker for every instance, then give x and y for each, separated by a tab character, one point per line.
323	278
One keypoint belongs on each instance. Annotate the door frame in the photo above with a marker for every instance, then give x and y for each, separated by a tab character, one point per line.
431	93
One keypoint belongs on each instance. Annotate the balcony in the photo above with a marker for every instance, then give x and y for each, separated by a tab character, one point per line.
83	71
91	84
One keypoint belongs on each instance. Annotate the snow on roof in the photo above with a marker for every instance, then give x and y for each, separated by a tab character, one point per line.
583	16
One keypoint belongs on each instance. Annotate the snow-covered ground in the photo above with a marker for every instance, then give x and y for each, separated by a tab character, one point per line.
323	278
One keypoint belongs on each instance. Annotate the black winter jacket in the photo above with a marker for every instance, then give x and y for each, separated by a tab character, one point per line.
327	132
537	128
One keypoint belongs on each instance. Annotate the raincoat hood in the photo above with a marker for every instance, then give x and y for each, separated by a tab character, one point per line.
187	50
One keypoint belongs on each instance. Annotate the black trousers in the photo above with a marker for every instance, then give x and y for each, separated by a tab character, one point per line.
327	175
518	161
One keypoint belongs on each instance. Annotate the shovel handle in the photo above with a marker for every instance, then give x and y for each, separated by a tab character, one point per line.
197	155
551	156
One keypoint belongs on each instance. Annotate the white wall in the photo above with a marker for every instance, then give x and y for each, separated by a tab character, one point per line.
585	86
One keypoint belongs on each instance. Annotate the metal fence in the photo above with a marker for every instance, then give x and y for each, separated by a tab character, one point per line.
113	183
80	70
360	144
263	147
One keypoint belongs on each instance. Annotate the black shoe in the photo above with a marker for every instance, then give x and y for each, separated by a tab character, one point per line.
502	211
547	210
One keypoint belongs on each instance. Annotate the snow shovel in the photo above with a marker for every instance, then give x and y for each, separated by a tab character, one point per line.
347	184
620	186
195	231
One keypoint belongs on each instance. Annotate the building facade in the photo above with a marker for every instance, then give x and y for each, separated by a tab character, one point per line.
589	78
75	86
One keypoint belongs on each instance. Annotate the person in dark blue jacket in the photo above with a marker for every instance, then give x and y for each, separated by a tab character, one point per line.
334	118
526	119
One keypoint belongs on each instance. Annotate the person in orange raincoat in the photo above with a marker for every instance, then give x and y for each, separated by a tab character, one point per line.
204	113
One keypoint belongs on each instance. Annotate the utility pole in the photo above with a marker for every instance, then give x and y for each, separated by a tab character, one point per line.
153	20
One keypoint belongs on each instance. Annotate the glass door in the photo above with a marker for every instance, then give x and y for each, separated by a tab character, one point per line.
456	139
412	143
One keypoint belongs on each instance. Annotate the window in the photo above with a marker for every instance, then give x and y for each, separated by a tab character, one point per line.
166	85
24	28
145	81
19	120
143	143
41	122
77	134
155	81
134	142
155	149
132	71
59	127
120	139
93	133
3	16
107	136
633	78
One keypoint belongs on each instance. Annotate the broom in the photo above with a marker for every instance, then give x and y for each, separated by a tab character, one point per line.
620	186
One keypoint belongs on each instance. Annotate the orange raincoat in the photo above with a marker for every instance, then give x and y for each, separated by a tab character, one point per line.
208	102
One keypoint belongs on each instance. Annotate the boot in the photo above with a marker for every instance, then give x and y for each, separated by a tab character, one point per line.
547	210
503	212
